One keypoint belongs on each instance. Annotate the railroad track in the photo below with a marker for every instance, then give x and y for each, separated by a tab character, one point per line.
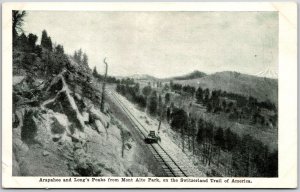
168	164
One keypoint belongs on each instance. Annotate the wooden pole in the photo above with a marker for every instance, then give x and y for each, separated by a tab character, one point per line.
103	86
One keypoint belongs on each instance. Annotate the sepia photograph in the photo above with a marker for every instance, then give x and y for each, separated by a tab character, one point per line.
147	94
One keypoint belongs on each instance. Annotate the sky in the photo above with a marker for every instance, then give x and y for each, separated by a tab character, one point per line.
165	44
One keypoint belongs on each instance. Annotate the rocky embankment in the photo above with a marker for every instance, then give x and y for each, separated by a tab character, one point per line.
59	130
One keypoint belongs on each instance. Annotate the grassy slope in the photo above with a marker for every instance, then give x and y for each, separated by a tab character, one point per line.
259	87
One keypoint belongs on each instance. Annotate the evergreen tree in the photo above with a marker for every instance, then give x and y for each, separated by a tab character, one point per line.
46	41
171	85
167	98
59	49
159	101
85	59
44	38
209	107
22	43
272	168
178	119
79	56
17	23
141	101
168	114
206	95
166	87
32	41
75	56
38	50
147	90
50	48
219	138
224	105
231	139
153	103
199	95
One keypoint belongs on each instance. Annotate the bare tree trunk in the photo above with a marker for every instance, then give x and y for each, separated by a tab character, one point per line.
248	164
210	149
182	138
123	148
231	163
194	136
103	87
219	154
205	152
160	118
193	143
190	138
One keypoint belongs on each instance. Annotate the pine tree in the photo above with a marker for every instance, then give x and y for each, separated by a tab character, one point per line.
168	114
147	90
32	41
79	56
219	141
206	95
50	48
75	56
95	72
219	138
85	59
44	38
171	85
17	23
200	134
59	49
22	43
199	95
46	41
153	103
167	98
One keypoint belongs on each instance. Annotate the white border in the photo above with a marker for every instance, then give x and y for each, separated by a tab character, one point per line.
287	90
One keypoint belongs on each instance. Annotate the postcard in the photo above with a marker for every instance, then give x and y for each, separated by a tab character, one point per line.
149	95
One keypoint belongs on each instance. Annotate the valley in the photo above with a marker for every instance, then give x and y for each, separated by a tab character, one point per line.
181	111
72	119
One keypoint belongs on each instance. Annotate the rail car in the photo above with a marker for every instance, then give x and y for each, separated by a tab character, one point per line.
152	138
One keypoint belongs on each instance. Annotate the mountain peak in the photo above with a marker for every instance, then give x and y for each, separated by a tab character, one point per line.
193	75
142	77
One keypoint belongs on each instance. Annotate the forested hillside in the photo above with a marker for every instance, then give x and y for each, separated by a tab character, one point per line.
238	83
233	134
58	127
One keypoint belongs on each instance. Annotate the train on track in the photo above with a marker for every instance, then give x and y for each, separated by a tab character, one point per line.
152	138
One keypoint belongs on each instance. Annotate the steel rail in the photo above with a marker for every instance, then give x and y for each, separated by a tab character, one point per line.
160	151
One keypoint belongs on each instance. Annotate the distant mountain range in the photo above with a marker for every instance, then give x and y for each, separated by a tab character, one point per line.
193	75
143	77
261	88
